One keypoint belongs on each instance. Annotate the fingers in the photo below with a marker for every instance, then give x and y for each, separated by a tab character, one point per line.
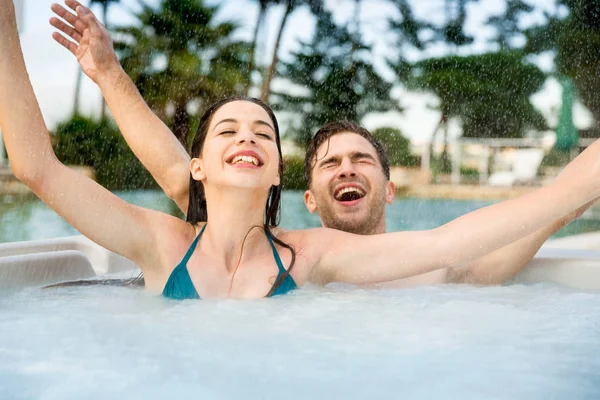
63	41
88	18
73	4
66	29
71	18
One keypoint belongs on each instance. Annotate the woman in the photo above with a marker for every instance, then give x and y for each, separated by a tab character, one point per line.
235	185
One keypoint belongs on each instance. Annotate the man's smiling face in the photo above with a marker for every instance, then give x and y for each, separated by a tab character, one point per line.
348	187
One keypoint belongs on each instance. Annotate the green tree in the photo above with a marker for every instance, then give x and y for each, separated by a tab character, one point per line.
83	141
418	35
316	6
263	6
506	24
397	146
489	93
574	36
179	55
331	78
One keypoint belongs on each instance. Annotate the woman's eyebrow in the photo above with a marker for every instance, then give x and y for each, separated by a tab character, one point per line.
235	121
261	122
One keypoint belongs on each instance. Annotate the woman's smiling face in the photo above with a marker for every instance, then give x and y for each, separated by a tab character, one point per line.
240	148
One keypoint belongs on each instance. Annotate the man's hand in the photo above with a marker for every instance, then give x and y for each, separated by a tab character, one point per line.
91	43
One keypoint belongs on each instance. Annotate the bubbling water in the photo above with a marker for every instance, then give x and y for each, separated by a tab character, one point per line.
512	342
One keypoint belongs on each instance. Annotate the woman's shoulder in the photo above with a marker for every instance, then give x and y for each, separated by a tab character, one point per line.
298	235
171	236
312	241
310	235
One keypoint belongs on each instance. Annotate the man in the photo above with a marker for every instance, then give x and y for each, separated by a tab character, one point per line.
347	173
346	169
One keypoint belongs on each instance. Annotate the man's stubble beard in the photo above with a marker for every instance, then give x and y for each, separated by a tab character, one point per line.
367	225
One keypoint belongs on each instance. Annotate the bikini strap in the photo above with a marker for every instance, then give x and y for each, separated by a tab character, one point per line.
192	247
276	255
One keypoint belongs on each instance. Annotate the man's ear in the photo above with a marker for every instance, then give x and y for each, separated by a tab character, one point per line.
309	201
197	169
390	192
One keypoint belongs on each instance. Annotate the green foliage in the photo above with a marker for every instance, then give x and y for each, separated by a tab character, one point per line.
469	172
178	53
332	78
418	34
556	158
576	41
293	174
396	146
83	141
506	25
489	92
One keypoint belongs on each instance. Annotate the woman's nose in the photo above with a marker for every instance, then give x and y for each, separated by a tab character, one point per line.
246	136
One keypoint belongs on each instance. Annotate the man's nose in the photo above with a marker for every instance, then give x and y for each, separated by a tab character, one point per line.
347	169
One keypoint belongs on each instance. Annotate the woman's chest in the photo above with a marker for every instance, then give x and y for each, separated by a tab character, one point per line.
246	279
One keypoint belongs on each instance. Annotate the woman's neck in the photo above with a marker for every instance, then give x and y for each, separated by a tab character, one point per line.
233	218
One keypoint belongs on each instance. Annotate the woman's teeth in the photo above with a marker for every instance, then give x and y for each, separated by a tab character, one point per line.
245	160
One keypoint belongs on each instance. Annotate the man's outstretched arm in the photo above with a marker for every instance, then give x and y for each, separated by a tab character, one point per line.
149	138
493	269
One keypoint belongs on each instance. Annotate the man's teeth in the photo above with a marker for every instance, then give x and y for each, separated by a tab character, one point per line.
349	190
245	160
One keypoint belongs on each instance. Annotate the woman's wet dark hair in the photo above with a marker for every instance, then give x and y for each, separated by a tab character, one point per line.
197	201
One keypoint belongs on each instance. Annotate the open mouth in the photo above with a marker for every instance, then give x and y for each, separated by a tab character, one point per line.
349	193
245	160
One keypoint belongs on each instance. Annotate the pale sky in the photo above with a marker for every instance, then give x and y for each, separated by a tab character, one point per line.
53	70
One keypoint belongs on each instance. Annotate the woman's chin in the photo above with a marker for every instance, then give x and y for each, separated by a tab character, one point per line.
246	183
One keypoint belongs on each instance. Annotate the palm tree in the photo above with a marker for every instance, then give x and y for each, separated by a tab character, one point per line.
178	56
336	69
263	6
316	6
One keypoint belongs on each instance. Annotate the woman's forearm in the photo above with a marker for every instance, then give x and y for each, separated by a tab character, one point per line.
25	134
151	140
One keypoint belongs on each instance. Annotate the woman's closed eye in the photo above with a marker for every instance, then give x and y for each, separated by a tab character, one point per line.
265	136
228	132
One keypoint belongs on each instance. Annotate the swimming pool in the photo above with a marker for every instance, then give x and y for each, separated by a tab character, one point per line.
511	342
30	219
514	342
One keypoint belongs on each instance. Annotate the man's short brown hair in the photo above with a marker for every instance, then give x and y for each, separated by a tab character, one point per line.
334	128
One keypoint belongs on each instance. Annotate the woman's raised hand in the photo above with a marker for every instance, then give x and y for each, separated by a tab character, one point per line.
91	43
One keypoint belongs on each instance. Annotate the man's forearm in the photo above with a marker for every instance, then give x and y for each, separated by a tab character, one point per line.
151	140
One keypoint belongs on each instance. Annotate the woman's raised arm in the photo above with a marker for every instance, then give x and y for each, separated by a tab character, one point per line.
91	209
151	140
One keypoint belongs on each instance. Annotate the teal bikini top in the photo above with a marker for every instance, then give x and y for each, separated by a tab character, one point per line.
180	287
